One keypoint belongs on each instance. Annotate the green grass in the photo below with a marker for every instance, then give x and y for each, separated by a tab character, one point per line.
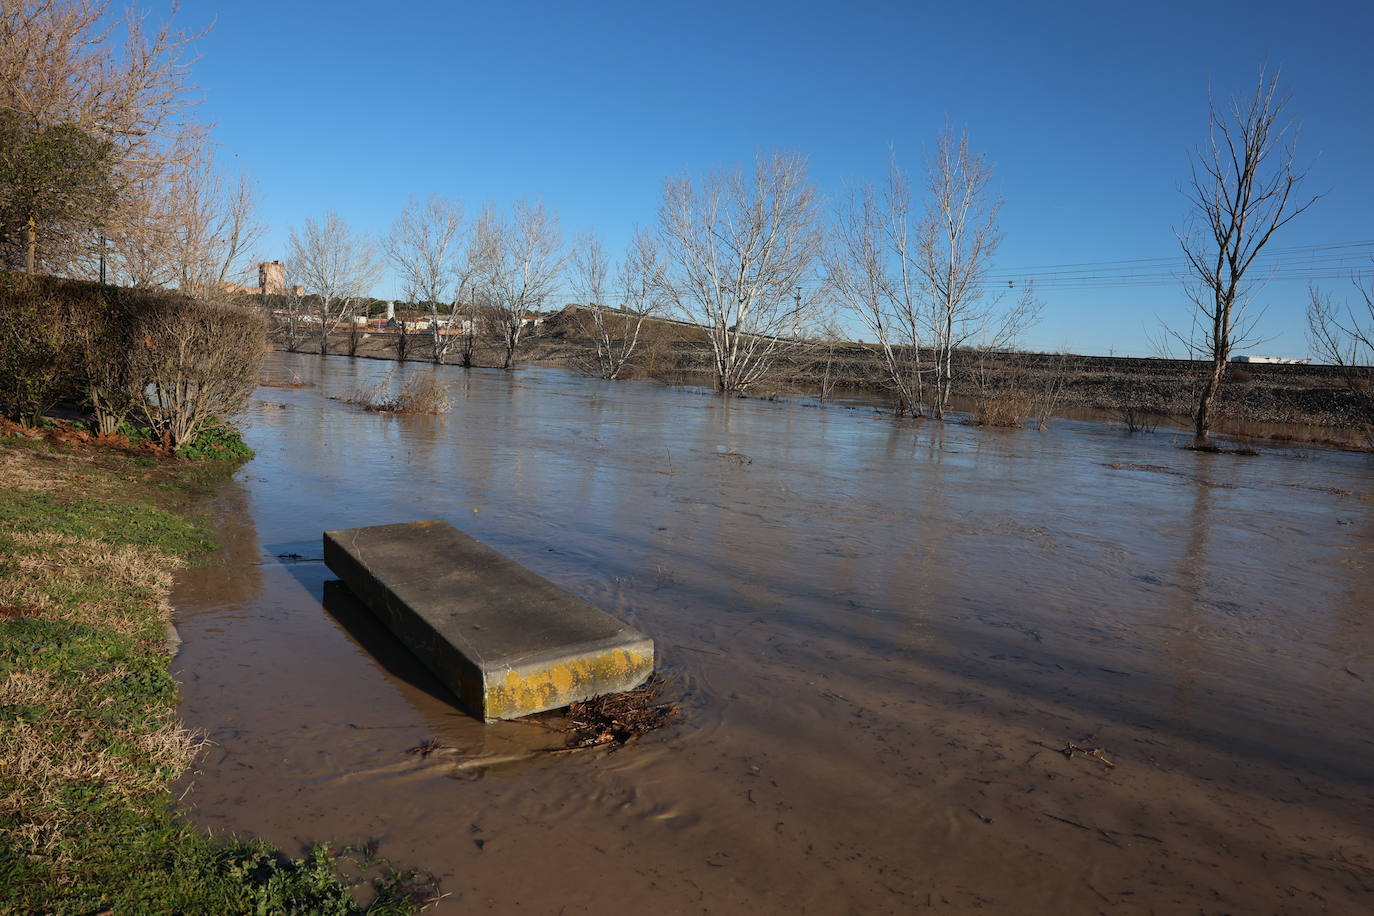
133	525
89	742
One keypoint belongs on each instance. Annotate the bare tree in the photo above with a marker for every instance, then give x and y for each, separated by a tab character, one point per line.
336	266
213	227
738	249
1241	192
188	227
918	281
637	290
425	247
474	302
1343	335
286	322
520	260
874	273
956	241
70	62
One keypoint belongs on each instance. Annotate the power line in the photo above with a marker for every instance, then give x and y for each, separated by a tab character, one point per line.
1306	263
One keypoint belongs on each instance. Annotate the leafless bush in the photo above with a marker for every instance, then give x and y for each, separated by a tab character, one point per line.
1137	419
1343	335
197	361
422	394
1043	396
1003	407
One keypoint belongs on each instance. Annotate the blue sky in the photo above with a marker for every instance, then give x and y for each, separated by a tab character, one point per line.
1087	110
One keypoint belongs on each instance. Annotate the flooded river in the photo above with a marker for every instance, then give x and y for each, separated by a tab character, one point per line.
882	634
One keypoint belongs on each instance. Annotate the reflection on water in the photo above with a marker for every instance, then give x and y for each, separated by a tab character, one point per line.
883	630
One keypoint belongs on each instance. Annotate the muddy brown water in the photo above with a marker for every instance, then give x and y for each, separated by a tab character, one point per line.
881	634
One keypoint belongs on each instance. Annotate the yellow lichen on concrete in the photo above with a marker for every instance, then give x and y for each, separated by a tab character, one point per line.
519	694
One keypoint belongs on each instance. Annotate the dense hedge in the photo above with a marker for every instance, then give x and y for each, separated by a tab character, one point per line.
171	365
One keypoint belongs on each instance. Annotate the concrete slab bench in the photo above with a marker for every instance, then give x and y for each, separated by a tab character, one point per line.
506	640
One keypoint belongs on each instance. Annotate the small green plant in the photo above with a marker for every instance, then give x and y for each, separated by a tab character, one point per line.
136	435
216	442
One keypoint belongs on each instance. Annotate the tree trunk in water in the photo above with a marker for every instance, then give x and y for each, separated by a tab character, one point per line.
1209	394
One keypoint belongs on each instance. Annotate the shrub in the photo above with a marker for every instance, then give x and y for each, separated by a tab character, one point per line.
197	361
422	394
177	363
35	365
1004	408
216	442
101	322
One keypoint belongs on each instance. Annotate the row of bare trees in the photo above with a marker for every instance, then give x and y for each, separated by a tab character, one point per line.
742	257
486	276
748	257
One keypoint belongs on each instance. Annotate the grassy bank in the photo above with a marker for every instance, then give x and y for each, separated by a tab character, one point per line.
89	740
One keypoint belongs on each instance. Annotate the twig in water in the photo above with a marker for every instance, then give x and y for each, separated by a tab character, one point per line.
1070	748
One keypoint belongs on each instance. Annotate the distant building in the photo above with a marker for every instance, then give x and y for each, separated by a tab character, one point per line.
271	278
1272	360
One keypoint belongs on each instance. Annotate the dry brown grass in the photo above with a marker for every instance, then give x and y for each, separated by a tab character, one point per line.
54	756
18	472
47	564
